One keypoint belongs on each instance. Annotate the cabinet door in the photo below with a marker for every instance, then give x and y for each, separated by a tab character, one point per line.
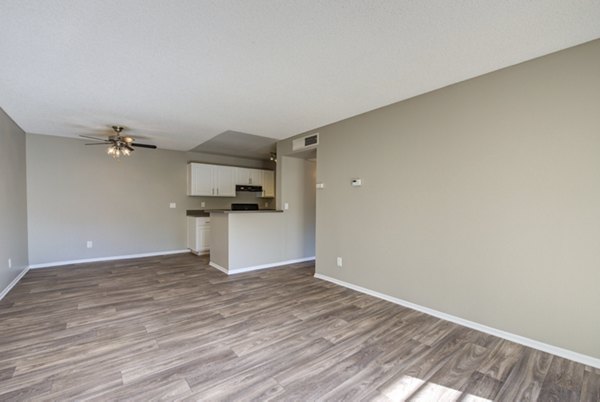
203	242
225	181
242	176
268	183
201	181
255	177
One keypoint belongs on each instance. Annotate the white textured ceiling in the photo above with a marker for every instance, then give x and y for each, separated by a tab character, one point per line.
181	72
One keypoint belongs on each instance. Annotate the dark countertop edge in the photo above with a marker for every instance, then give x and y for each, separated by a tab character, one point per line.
205	213
198	213
259	211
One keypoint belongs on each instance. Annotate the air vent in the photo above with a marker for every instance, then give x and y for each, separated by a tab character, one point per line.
307	142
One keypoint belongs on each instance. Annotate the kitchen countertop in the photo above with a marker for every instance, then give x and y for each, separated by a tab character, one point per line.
197	212
228	211
206	212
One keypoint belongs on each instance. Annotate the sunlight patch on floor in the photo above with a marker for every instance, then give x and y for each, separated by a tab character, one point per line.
409	388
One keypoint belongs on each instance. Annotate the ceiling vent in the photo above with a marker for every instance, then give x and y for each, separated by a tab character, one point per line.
306	142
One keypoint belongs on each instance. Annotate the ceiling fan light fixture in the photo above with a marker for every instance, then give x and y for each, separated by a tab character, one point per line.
118	149
118	145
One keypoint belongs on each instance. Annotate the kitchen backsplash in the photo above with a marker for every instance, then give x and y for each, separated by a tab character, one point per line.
225	202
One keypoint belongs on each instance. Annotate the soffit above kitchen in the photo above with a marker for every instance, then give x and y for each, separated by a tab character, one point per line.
243	145
181	72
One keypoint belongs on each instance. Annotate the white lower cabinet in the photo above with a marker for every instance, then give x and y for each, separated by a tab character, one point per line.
198	234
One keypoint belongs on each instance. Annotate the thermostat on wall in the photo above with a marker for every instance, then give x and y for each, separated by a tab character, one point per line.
356	182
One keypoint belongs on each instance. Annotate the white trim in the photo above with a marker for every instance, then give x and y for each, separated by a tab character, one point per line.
13	283
257	267
112	258
544	347
217	266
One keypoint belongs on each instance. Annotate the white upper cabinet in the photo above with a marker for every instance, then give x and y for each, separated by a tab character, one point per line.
225	181
268	183
247	176
211	180
256	177
242	175
200	179
219	181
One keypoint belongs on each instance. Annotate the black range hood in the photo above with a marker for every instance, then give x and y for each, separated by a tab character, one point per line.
247	188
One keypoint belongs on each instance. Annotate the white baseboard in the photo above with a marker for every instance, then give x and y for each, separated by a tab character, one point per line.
257	267
544	347
112	258
217	266
13	283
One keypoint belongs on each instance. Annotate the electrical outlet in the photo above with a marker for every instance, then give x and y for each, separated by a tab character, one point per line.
202	204
10	263
286	206
172	205
339	262
89	244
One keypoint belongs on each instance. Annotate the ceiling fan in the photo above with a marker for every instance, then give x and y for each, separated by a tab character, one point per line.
118	145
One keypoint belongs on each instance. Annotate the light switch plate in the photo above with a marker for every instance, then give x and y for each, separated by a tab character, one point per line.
202	204
172	205
286	206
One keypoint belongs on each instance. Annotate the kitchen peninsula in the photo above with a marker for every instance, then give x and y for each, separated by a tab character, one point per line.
244	241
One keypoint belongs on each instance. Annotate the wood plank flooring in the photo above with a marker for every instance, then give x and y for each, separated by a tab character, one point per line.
173	328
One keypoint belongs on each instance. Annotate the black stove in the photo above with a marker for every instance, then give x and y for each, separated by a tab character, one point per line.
244	207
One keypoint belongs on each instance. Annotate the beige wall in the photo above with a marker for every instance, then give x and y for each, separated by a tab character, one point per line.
481	200
13	201
79	193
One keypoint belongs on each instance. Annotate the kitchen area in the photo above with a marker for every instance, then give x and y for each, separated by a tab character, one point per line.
243	235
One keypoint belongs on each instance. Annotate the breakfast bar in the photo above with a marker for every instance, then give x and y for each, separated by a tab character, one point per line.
243	241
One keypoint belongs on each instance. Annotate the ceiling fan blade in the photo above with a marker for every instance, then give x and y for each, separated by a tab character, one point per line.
129	147
134	144
92	138
98	143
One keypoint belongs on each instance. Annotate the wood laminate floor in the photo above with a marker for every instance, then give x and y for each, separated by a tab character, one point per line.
173	328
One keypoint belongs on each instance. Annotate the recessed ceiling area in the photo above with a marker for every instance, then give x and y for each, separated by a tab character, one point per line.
181	72
233	143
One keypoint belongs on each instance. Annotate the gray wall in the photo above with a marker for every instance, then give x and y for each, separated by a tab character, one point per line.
481	200
79	193
13	201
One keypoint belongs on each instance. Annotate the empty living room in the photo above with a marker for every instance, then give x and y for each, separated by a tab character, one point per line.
309	200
